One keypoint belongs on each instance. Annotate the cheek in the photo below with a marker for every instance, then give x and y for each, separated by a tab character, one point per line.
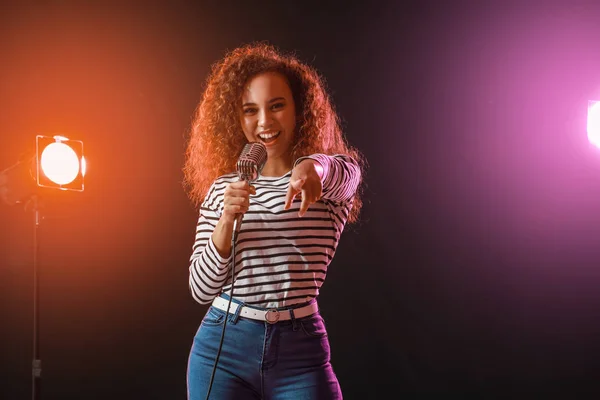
291	124
246	127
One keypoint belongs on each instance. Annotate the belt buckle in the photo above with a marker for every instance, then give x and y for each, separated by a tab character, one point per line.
272	316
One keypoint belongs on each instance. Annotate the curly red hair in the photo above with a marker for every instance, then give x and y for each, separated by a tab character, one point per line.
216	137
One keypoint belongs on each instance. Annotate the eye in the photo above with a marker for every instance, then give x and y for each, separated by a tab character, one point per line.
249	110
277	106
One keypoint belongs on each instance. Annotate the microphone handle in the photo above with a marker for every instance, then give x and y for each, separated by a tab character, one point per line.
238	219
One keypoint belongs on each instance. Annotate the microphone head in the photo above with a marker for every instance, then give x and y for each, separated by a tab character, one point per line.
251	161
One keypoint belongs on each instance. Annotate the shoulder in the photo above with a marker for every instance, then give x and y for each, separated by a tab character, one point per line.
217	188
225	179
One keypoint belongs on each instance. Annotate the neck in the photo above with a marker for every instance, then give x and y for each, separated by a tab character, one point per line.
276	167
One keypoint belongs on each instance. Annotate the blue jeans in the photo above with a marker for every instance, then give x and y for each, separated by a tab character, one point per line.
287	360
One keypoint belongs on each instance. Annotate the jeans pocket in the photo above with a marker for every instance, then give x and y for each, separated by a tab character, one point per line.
213	317
313	326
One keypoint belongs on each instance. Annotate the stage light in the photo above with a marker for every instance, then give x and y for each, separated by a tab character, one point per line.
593	122
60	163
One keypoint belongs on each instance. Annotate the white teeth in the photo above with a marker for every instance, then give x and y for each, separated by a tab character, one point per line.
268	135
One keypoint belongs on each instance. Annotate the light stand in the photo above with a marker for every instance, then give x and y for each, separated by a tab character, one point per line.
62	167
36	371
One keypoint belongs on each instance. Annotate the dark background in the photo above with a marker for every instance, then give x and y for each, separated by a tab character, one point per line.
475	268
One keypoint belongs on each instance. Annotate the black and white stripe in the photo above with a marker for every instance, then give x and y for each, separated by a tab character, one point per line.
281	259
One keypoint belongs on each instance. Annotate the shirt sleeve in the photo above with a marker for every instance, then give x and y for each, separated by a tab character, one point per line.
208	270
341	176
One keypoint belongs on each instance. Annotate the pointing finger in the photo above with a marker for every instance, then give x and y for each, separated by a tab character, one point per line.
304	205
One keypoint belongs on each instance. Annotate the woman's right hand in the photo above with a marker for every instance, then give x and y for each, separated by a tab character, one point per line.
236	200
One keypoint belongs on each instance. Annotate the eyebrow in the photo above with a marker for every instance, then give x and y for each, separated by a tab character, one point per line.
270	101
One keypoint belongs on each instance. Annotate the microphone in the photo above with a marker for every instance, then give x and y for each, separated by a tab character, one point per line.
249	165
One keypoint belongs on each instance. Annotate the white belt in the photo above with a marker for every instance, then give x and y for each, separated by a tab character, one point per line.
271	315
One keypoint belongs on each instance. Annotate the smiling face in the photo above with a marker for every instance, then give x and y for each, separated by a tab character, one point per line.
268	115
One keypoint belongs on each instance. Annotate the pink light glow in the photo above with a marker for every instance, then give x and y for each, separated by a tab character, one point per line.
593	123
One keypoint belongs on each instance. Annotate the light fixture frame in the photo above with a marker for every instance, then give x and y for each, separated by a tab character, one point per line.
41	142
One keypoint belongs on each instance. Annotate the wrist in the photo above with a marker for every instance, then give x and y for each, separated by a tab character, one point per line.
227	220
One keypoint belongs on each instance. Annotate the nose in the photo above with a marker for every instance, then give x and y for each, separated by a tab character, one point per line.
264	119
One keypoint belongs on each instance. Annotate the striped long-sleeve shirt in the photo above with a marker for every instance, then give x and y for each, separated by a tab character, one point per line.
281	258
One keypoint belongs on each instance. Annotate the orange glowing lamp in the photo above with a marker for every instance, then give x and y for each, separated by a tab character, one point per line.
60	163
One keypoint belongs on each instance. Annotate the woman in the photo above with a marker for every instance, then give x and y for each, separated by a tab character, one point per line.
275	344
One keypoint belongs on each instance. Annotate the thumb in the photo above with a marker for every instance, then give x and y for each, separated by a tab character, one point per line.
297	184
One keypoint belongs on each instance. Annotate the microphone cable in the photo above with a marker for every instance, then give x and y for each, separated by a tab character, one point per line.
214	370
249	165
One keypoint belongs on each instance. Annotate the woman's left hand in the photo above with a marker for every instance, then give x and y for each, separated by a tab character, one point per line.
305	180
